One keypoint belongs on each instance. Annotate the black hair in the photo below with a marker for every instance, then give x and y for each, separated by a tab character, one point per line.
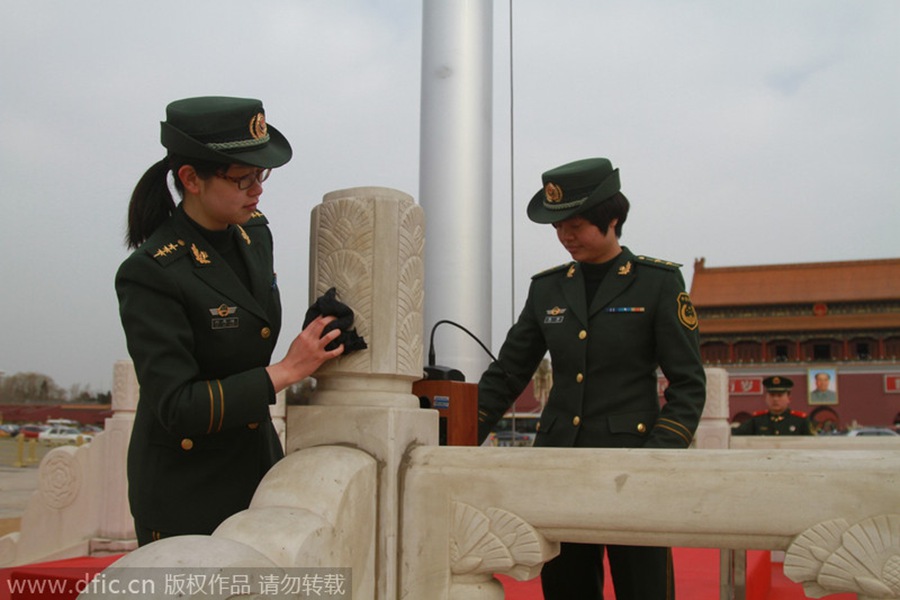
614	207
151	202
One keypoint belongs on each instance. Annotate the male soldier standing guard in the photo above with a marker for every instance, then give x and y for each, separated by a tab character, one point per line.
609	318
777	420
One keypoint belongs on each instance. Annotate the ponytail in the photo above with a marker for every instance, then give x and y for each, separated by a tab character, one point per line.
151	204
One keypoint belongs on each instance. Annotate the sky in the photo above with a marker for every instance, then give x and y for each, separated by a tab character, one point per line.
746	132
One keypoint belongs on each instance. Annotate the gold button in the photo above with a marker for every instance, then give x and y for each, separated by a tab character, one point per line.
265	332
582	334
641	428
252	425
576	421
187	444
579	378
538	426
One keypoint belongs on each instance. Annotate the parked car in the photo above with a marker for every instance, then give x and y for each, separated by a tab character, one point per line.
871	431
63	435
9	430
32	431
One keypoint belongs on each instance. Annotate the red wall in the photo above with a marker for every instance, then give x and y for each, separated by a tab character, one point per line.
861	397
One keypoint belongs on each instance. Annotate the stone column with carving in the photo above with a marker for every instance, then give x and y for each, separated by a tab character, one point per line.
368	243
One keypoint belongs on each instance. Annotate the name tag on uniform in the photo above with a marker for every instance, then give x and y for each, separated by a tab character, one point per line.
231	323
555	315
222	317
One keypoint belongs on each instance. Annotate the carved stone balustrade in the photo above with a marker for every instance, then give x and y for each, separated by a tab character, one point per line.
472	512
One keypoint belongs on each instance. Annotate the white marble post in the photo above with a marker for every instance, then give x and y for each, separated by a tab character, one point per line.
116	530
368	243
714	432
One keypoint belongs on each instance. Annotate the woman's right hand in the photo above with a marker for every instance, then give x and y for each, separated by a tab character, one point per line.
306	354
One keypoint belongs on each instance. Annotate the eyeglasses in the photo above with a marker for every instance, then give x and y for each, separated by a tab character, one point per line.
247	181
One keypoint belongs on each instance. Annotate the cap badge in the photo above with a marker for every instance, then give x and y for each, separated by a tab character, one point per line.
258	129
553	193
776	380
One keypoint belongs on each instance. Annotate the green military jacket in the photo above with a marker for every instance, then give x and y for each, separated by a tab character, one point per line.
790	422
604	358
200	341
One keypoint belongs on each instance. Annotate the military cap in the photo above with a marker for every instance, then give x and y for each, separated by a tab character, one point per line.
573	188
777	384
223	129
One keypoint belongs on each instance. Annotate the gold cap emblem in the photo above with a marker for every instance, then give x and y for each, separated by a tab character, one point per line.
258	129
553	193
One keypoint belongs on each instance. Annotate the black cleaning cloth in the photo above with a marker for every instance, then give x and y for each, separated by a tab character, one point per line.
327	305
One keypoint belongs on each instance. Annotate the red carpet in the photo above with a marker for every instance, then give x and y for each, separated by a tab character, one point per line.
57	580
697	578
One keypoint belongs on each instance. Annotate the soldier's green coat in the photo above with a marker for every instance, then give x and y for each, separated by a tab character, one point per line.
200	342
790	422
604	358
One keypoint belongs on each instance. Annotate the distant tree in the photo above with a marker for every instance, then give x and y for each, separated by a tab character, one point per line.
80	393
30	388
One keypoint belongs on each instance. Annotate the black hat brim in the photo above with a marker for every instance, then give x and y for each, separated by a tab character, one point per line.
539	213
274	153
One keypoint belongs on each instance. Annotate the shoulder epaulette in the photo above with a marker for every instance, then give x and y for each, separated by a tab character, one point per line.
552	270
658	262
167	253
798	413
257	218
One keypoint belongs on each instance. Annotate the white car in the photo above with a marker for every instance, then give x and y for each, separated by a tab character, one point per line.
64	435
872	431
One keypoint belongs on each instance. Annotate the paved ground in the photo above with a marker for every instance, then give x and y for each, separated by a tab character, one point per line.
17	483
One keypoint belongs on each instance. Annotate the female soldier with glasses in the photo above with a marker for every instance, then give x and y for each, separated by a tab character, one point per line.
199	304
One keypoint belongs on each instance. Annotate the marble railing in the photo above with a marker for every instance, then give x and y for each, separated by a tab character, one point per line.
364	485
472	512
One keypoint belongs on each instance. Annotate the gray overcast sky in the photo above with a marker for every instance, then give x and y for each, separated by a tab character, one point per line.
746	132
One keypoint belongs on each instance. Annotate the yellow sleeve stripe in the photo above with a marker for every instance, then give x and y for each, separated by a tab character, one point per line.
221	404
676	428
212	407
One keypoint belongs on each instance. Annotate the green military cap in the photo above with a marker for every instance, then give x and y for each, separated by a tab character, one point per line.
223	129
572	189
777	384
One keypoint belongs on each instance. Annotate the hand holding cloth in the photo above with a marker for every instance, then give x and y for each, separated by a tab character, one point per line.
327	305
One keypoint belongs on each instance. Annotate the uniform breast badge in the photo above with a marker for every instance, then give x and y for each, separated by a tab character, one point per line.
223	317
555	315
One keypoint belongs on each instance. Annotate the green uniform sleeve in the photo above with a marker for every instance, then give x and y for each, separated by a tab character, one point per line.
678	353
506	378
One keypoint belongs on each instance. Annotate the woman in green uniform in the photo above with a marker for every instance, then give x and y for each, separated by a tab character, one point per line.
608	319
199	304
